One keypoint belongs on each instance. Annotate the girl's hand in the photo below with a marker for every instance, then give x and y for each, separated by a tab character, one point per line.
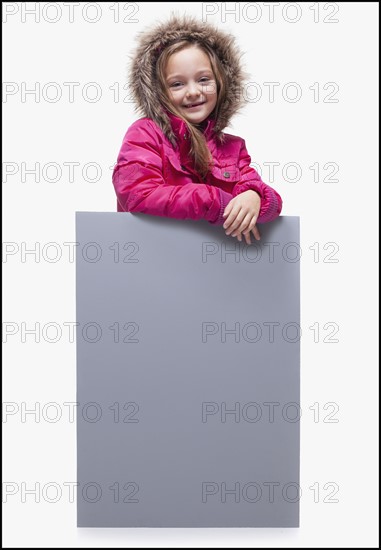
241	215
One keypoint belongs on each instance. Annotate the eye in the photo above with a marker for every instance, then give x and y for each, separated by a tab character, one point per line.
205	79
175	85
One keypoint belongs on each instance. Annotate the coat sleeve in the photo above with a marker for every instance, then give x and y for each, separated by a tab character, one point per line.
140	185
271	201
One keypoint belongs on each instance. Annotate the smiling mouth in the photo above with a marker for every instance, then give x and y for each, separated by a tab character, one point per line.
194	105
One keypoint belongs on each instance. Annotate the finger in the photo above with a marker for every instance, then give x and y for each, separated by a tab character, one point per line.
239	236
231	217
231	222
244	225
256	233
227	209
236	223
245	232
247	237
251	224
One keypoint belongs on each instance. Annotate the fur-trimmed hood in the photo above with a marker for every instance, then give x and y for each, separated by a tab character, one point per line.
141	70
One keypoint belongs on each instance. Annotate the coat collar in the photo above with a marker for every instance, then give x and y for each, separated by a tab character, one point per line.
181	132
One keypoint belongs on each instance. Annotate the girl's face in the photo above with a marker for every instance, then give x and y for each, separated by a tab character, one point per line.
191	84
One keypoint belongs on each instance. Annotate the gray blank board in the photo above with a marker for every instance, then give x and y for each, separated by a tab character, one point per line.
188	370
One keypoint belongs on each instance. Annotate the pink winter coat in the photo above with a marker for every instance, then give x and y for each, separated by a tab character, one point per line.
154	172
154	177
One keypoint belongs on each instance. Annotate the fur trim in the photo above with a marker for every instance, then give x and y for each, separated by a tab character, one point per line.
150	44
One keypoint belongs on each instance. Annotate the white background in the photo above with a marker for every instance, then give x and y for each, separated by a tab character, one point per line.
343	212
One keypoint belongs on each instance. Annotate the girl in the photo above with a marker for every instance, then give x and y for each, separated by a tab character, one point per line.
176	161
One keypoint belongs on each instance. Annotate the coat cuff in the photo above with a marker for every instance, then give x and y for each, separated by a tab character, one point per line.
273	207
225	198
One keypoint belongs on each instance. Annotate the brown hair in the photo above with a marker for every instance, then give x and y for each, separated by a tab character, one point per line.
199	149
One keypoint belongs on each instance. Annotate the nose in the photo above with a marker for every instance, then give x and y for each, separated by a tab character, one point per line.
193	89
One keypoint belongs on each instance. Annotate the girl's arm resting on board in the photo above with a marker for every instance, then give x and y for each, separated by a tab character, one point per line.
141	187
271	201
